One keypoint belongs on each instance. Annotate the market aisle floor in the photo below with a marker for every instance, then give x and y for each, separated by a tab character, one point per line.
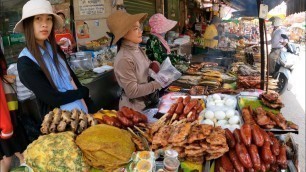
294	109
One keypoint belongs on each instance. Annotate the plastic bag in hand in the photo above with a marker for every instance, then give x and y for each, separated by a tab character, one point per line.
167	73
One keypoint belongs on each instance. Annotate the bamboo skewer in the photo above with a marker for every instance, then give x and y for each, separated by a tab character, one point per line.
173	117
130	130
143	133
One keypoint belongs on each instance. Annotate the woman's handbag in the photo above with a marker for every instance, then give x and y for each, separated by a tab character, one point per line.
152	99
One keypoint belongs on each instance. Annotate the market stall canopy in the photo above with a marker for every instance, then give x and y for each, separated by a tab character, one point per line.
295	6
249	7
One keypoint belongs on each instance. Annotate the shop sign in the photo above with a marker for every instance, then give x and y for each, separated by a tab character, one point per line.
91	7
16	38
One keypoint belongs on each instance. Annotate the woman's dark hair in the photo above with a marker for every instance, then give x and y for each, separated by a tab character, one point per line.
119	43
61	13
33	47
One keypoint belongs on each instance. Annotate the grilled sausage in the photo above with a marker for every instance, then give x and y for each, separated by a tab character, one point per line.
237	135
186	100
113	121
246	134
226	163
276	145
257	136
235	160
193	116
127	112
179	108
229	138
266	137
266	153
218	165
143	118
274	168
282	158
124	120
243	155
253	151
180	100
263	167
189	106
172	108
200	109
182	116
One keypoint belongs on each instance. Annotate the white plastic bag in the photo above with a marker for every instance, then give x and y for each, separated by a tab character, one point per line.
167	73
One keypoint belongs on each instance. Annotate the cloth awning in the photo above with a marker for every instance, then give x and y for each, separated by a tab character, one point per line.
249	8
295	6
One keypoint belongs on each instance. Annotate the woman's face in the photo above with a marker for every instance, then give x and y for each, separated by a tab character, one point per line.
135	34
42	25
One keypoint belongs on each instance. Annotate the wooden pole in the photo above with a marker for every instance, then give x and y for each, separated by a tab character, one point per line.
262	50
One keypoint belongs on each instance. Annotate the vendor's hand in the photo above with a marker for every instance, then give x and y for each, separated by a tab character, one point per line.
155	66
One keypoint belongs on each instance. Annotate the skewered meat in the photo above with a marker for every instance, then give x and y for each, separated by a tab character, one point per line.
270	97
197	90
75	114
276	105
194	146
57	116
194	152
262	118
138	143
61	126
180	133
279	119
66	115
216	138
199	132
162	136
292	125
247	116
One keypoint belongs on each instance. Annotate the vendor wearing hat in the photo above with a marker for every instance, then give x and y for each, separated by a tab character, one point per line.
277	43
131	65
42	66
157	47
211	33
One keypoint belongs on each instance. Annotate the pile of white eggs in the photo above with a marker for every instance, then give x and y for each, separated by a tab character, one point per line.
226	119
217	100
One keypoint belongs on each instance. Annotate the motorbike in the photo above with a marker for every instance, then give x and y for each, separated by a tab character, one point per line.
285	66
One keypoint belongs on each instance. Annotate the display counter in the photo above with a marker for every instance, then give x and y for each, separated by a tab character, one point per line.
105	91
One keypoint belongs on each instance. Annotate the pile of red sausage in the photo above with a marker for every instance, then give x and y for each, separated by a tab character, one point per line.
126	117
185	108
252	149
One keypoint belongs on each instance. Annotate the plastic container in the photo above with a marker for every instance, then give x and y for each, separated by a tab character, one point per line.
171	153
81	61
171	164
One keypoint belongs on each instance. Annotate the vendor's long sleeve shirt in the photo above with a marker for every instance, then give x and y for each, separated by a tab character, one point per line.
131	69
210	33
34	79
